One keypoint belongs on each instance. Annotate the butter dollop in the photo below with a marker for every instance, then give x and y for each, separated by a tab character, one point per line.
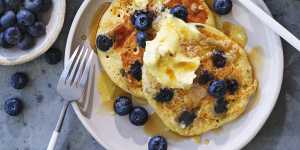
164	56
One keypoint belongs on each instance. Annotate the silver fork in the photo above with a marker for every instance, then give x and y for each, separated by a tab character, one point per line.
72	84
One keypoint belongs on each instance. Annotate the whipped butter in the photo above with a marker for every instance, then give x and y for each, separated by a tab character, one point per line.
164	56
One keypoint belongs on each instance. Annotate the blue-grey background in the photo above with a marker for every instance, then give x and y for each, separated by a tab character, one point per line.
32	129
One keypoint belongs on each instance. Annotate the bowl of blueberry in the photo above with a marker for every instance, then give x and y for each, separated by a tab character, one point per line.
28	28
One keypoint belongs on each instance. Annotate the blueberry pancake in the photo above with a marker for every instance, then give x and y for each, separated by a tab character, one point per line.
195	77
128	24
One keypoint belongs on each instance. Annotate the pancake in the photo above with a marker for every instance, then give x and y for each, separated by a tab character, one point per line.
191	111
116	23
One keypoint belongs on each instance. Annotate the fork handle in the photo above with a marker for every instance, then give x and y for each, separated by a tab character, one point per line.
58	127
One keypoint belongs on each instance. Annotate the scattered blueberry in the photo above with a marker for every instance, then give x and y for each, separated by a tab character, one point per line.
13	106
19	80
204	77
164	95
8	19
104	43
232	85
157	143
33	5
12	35
38	29
2	7
179	11
138	116
141	38
13	4
222	7
3	43
53	56
136	70
25	17
186	118
218	58
26	42
123	105
217	88
221	106
141	20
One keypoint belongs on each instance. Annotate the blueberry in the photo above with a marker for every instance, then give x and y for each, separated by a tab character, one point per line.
138	116
38	29
136	70
13	4
46	5
2	7
25	17
141	20
3	43
157	143
222	7
19	80
221	106
26	42
33	5
104	43
186	118
123	105
164	95
8	19
218	58
13	106
141	38
217	88
12	35
53	56
179	11
204	77
232	85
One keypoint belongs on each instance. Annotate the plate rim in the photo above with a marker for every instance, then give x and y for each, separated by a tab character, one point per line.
236	146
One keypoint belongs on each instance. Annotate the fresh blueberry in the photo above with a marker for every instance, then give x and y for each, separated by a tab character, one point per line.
38	29
19	80
33	5
141	38
186	118
13	4
104	43
218	58
2	7
26	42
138	116
157	143
164	95
123	105
232	85
53	56
25	17
217	88
141	20
204	77
13	106
12	35
46	5
221	106
3	43
179	11
8	19
222	7
136	70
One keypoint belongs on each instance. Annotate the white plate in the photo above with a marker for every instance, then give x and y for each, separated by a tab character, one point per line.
55	20
115	133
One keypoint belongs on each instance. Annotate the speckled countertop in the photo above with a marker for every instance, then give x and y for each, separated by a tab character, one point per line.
32	129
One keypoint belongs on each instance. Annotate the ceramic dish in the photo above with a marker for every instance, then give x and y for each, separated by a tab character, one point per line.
115	132
54	19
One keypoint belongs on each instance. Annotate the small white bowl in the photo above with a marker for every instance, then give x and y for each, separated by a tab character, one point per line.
55	20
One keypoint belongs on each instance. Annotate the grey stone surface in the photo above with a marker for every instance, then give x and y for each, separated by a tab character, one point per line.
32	129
